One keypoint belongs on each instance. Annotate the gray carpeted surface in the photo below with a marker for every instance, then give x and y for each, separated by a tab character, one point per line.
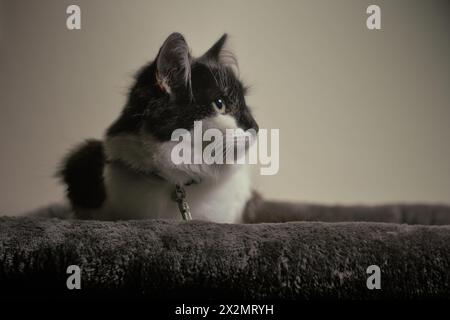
278	211
189	260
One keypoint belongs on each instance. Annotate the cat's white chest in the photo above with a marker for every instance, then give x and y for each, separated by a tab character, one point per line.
134	196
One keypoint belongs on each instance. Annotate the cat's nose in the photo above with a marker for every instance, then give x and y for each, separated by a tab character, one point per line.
252	125
248	122
255	127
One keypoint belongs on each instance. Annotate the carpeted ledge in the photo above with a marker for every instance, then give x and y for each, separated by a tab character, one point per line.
189	260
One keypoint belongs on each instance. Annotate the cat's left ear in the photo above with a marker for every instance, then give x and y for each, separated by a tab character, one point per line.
214	52
173	66
220	54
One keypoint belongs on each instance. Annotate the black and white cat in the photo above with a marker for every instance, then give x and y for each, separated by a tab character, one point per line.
130	175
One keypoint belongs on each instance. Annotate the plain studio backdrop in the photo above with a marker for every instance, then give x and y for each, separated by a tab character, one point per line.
364	116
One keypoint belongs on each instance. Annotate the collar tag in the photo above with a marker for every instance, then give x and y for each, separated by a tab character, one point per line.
183	206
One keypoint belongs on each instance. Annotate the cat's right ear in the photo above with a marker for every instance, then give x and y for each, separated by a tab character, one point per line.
173	68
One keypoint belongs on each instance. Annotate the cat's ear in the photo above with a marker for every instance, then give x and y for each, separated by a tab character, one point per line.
214	52
220	54
173	67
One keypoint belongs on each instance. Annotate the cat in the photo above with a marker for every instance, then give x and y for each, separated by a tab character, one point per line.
130	175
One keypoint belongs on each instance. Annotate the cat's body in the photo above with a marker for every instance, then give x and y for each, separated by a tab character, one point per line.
130	174
134	196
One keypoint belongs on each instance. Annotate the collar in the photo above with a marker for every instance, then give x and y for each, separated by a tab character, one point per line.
148	173
125	165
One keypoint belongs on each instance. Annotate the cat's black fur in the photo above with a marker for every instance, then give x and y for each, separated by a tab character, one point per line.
169	93
83	175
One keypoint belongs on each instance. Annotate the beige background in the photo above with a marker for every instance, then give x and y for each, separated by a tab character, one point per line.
364	116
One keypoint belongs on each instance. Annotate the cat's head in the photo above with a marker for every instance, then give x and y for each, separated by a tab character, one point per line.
172	92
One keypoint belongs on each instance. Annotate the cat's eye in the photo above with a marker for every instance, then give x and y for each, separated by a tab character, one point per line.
219	105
